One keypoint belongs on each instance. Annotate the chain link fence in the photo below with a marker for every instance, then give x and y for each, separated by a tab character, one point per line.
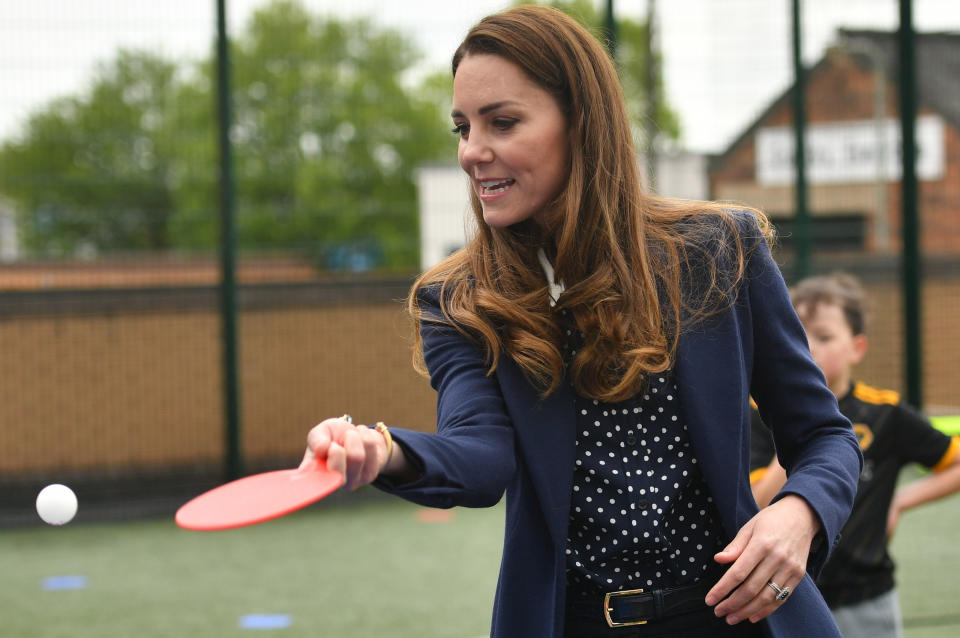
109	257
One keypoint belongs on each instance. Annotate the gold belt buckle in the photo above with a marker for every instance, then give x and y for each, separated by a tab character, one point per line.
607	609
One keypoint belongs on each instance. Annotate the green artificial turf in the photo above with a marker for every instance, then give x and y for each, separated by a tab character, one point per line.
362	569
355	569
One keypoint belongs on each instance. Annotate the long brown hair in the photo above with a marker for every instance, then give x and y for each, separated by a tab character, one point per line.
626	258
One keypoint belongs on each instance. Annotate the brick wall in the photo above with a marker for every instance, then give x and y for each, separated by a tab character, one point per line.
130	380
838	90
113	382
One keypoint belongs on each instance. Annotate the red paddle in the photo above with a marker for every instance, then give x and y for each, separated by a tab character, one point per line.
258	498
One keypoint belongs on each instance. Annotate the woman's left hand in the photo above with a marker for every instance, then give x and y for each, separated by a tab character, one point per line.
772	547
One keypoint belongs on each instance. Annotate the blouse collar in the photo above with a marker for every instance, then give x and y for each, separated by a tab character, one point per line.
556	288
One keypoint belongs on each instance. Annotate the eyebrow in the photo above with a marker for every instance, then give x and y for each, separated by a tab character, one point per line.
485	109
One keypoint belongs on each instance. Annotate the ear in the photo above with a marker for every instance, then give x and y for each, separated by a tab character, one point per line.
859	348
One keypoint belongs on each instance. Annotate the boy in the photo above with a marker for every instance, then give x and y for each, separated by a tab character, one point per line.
857	582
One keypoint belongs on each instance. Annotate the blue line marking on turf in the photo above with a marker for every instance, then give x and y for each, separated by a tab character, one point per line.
265	621
56	583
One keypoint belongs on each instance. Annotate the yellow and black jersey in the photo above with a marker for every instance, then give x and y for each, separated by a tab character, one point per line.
891	436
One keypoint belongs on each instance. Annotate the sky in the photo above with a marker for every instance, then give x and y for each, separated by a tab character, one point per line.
724	60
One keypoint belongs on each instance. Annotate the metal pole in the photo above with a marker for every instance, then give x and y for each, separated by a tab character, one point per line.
610	26
233	458
652	96
911	223
802	214
882	219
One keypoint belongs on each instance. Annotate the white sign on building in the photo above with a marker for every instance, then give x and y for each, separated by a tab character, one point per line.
9	246
850	152
445	214
444	200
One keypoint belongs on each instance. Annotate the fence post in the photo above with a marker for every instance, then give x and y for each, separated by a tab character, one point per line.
801	213
610	26
912	301
233	457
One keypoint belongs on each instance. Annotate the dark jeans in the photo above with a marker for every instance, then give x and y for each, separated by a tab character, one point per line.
701	624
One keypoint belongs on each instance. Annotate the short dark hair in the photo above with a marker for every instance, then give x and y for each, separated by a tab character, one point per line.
841	289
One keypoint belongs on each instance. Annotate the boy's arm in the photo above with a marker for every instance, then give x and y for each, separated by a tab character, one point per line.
768	483
944	480
767	476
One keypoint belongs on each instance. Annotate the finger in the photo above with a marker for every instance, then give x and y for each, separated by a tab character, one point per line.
318	440
308	458
355	457
337	460
319	437
764	610
758	596
747	589
738	572
372	456
755	566
735	548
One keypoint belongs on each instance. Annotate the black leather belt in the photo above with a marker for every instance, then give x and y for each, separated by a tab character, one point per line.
637	606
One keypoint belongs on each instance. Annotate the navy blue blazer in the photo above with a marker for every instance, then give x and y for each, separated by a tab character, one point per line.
495	434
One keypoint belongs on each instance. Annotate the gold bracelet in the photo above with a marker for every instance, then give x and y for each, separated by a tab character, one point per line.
385	431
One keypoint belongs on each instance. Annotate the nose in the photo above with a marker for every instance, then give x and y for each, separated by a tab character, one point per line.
474	150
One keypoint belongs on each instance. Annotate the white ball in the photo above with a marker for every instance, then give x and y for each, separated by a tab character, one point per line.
56	504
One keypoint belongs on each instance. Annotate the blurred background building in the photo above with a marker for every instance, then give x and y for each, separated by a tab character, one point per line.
854	160
444	202
345	185
9	247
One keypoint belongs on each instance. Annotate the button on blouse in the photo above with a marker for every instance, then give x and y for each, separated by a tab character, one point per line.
641	514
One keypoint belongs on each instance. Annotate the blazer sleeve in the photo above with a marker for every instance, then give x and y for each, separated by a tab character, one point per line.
814	441
470	458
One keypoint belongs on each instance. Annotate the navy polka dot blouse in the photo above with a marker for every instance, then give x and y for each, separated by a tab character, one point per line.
641	514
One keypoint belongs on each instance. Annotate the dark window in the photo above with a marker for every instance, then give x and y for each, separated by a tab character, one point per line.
827	232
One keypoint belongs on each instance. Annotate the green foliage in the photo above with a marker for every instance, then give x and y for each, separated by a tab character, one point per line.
326	139
327	136
92	171
631	59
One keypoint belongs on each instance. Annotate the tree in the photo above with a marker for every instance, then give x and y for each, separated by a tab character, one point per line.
91	171
326	139
631	65
327	136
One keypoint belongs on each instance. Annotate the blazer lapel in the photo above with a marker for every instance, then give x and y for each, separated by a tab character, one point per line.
712	407
546	442
709	373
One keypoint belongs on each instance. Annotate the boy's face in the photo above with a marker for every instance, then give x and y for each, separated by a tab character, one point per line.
834	347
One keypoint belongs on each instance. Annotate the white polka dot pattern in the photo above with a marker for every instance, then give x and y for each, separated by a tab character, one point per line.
640	514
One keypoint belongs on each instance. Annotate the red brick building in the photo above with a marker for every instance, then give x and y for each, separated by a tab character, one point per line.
853	148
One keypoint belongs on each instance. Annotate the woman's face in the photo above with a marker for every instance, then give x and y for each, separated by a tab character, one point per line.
513	139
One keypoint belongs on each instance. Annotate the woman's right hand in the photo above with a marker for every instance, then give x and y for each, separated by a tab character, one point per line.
357	452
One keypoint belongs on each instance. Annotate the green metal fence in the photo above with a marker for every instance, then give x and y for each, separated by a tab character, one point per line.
146	341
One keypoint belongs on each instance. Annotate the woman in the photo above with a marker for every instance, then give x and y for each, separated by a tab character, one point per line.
594	350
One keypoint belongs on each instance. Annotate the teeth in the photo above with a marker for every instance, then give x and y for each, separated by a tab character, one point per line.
494	186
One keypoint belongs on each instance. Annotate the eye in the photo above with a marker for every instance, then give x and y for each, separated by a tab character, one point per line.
461	130
503	123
